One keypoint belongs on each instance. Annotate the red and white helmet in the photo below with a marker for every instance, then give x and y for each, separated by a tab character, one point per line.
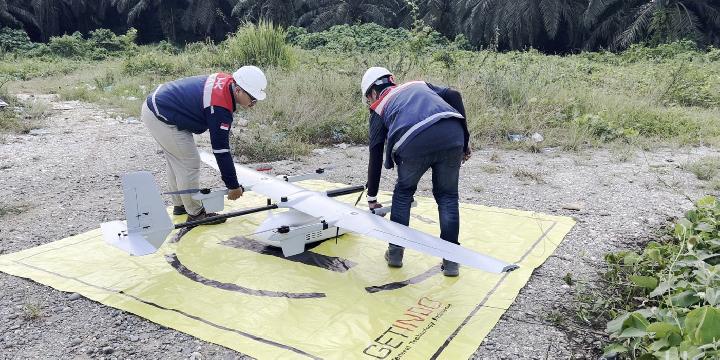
252	80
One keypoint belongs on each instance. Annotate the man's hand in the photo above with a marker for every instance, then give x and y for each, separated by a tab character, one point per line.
374	205
233	194
467	155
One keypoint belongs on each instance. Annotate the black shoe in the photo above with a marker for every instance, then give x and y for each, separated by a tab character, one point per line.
450	268
394	256
179	210
203	215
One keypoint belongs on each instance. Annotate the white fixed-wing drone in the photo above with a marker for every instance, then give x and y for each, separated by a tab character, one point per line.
311	216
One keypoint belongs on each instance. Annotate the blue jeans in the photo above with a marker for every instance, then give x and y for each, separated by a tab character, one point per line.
445	165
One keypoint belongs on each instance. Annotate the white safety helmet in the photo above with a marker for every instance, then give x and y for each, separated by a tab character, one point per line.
371	75
252	80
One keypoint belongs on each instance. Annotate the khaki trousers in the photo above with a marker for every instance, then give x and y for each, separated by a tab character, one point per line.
181	154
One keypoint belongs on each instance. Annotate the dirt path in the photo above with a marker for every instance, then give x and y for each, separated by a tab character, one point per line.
65	180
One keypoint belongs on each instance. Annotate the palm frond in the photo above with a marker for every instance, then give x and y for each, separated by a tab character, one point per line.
597	11
137	9
22	15
552	14
642	20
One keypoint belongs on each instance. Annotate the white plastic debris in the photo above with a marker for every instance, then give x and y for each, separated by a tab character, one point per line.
536	137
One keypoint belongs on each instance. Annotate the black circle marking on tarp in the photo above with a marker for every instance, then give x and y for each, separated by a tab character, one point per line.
401	284
173	260
194	317
331	263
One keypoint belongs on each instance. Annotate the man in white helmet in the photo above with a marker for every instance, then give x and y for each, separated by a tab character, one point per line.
178	109
424	127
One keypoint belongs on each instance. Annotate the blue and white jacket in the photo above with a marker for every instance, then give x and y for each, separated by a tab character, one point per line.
406	111
420	109
198	104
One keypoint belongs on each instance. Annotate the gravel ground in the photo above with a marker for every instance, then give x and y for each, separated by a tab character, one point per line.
64	180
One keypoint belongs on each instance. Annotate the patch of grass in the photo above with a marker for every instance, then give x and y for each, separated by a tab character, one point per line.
705	168
622	152
9	116
529	176
36	110
152	63
12	209
21	117
32	311
81	92
24	68
556	318
575	138
263	45
264	144
490	168
715	185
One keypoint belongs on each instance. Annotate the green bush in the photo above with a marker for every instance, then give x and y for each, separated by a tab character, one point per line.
70	46
107	40
100	44
367	37
156	64
461	42
168	48
604	129
293	32
15	40
690	85
638	52
262	45
674	289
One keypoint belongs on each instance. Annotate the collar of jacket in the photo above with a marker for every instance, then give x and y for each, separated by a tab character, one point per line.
381	97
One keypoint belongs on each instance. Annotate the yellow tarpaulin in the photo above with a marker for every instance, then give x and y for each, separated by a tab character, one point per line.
339	300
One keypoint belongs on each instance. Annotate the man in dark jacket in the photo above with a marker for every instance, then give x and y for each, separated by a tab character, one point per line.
424	127
177	110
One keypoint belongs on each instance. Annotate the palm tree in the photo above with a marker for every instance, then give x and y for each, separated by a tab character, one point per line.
619	23
281	12
322	14
15	13
57	17
440	15
551	25
208	18
145	14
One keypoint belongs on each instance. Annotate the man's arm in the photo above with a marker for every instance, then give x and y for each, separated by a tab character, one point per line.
376	144
219	122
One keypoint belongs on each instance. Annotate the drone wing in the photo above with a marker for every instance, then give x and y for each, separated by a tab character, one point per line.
362	222
348	217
